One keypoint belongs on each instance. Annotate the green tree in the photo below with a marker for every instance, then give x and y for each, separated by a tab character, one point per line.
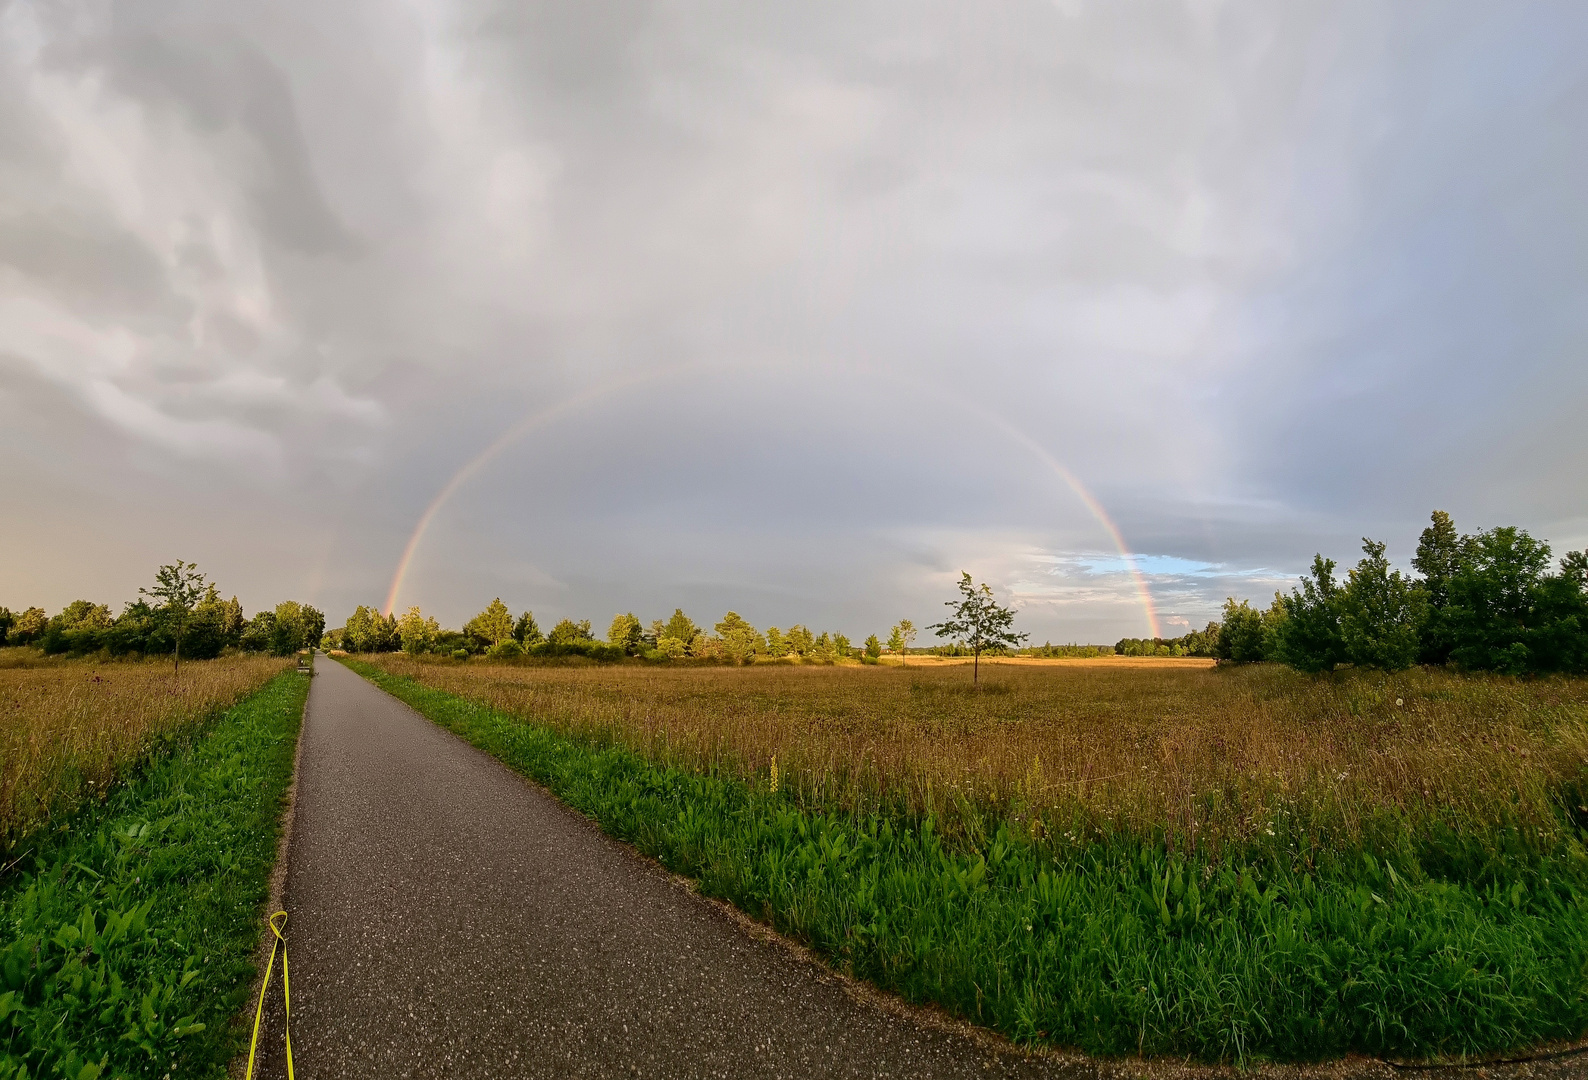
417	632
1382	613
260	633
873	647
177	589
1309	637
568	632
1490	616
626	633
776	645
740	640
1438	560
822	648
1243	639
979	622
296	626
7	620
525	632
680	626
841	647
29	626
899	640
800	640
362	633
492	626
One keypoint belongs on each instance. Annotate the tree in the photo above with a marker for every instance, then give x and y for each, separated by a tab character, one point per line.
1381	613
492	626
416	632
368	631
740	640
1242	636
177	588
1309	637
568	632
978	621
776	645
841	647
7	619
800	640
296	626
28	627
873	647
1438	560
1489	617
680	626
904	633
626	633
525	632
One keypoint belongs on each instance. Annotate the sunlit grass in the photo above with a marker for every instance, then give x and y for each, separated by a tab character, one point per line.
68	727
1194	757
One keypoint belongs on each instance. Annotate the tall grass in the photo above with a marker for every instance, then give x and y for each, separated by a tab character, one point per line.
1196	759
69	727
128	936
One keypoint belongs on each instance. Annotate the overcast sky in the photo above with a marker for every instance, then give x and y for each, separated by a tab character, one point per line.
816	301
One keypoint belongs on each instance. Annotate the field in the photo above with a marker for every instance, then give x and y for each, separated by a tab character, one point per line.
70	727
1071	750
129	928
1128	858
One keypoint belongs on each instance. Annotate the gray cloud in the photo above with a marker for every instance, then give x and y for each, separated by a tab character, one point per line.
1264	278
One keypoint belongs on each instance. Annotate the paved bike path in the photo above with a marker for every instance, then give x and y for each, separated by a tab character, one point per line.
450	919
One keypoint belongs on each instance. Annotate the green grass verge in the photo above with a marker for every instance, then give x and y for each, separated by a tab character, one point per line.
127	935
1122	948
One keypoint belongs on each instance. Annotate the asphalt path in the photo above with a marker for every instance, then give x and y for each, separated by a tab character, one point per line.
448	918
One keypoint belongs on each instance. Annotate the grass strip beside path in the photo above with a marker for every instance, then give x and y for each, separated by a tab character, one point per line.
128	934
1121	949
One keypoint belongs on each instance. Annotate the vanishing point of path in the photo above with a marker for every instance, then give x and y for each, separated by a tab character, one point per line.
450	919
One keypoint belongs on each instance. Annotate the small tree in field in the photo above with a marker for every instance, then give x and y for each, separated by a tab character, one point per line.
980	622
899	640
178	588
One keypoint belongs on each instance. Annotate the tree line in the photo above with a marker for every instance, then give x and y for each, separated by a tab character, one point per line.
494	632
1487	601
181	615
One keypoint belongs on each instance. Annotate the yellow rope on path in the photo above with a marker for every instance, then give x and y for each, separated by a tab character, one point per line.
286	995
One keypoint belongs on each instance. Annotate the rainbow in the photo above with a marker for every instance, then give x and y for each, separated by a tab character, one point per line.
535	419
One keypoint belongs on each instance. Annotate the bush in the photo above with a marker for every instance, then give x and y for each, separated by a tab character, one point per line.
506	650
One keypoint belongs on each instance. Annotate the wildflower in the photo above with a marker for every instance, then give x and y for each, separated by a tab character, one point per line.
774	774
1399	703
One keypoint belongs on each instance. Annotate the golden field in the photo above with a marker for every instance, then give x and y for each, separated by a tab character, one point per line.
1070	749
69	725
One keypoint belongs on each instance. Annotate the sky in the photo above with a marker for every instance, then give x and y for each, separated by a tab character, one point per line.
798	310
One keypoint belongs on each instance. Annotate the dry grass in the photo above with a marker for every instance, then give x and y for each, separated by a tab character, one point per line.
1196	756
70	725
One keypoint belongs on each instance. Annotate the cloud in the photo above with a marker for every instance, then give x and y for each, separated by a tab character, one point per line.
1264	279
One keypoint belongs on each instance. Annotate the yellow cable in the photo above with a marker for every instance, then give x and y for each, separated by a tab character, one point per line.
286	995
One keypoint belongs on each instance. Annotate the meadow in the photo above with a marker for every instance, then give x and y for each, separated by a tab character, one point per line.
70	727
1069	751
1127	857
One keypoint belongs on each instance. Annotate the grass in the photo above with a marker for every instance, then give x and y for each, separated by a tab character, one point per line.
1302	869
127	933
69	727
